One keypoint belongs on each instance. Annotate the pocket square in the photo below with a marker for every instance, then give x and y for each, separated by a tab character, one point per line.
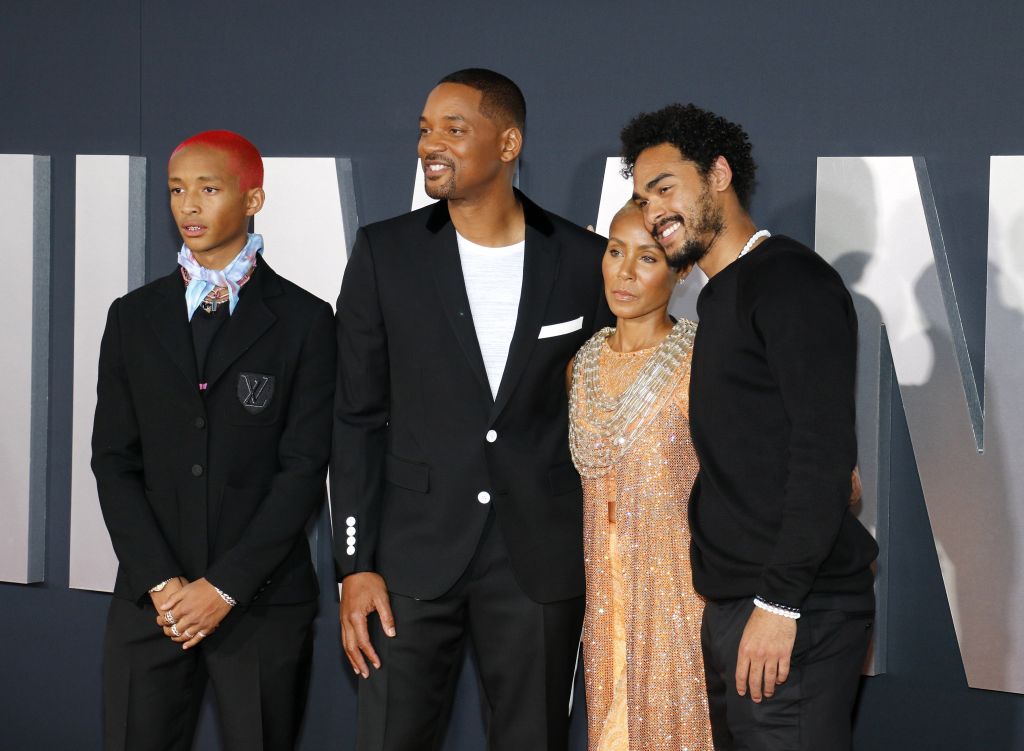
557	329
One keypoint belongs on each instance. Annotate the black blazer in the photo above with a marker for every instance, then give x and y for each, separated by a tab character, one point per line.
219	484
417	435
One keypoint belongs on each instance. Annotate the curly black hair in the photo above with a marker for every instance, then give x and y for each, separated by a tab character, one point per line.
700	136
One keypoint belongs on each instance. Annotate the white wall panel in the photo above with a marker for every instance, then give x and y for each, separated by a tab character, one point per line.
109	261
24	377
877	224
309	221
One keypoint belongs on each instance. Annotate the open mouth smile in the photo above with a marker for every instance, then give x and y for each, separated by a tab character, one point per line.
668	230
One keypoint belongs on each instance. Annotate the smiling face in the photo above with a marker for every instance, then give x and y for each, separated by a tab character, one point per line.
211	212
463	152
638	280
679	208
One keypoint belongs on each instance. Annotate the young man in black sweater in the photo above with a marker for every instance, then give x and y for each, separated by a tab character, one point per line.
783	563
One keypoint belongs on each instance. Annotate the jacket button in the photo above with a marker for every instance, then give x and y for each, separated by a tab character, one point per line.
200	423
483	496
492	436
197	470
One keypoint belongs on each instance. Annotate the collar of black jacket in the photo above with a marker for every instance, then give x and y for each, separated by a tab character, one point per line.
532	213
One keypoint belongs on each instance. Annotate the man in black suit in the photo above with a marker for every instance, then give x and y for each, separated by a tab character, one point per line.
210	446
456	507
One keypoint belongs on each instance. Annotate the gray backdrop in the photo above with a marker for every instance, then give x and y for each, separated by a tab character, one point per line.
936	79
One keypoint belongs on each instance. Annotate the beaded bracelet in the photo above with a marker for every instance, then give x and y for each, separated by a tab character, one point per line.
776	608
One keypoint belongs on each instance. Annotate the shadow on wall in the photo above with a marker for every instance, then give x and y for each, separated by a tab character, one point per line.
970	519
852	246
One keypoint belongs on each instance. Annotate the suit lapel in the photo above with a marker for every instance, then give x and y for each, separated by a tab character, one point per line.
169	319
446	266
247	324
540	267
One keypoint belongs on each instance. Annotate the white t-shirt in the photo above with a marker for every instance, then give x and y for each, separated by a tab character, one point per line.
494	281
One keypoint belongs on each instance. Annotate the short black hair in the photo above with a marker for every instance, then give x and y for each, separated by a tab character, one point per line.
700	136
502	99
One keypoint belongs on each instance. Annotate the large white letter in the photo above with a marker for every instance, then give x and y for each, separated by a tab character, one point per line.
24	379
878	225
110	253
309	221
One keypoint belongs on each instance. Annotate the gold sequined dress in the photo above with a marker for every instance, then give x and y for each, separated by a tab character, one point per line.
641	633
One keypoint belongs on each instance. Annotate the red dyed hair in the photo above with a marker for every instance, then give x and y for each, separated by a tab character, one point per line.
245	158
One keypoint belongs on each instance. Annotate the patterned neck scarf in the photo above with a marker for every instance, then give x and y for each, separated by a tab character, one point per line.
201	281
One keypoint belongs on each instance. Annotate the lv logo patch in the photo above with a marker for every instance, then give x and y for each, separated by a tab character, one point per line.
255	391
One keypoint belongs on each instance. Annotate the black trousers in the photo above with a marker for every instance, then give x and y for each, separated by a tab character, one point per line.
812	710
258	662
526	652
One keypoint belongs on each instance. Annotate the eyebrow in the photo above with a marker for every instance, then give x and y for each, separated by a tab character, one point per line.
613	239
201	178
450	118
655	181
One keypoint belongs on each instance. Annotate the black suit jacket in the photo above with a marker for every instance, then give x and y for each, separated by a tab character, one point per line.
414	411
215	484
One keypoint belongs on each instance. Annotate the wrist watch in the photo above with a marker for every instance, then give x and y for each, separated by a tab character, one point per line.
160	587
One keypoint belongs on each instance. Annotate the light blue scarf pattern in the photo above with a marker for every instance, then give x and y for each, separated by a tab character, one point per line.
204	280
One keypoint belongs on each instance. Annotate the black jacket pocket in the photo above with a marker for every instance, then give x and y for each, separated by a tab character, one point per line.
406	474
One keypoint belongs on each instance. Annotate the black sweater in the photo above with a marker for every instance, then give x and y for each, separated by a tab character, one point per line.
772	415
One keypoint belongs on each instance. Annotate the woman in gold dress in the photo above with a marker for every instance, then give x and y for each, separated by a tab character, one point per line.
630	440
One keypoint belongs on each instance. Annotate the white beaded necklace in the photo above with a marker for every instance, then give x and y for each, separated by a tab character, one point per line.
602	428
753	239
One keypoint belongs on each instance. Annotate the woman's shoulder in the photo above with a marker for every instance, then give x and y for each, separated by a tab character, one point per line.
590	348
681	392
596	341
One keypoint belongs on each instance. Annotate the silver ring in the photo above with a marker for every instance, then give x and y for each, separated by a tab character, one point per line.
189	634
169	617
174	630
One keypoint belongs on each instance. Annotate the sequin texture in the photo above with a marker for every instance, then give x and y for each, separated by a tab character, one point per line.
641	634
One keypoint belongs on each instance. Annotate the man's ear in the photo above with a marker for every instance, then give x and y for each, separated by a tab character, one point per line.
720	174
511	144
254	198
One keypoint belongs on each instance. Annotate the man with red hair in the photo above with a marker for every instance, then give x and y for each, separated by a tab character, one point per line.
244	159
210	447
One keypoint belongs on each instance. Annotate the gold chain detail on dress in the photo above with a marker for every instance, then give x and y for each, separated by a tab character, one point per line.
604	428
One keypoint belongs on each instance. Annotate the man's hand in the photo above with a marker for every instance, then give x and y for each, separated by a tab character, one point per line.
855	487
764	653
195	611
159	598
362	594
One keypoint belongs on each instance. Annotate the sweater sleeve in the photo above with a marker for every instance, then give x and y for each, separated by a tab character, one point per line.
805	318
